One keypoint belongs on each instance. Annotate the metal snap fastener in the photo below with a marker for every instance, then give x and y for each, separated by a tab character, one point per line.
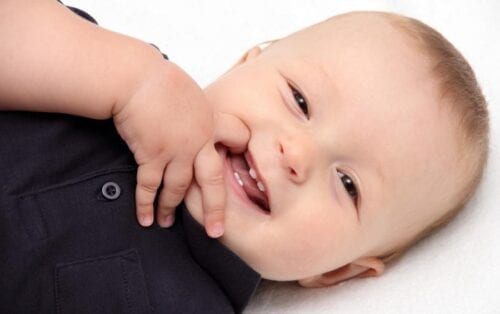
111	190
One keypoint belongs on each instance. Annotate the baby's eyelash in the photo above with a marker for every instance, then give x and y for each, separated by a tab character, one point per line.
349	186
300	100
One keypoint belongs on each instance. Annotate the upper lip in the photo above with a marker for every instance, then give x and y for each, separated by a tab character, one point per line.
251	163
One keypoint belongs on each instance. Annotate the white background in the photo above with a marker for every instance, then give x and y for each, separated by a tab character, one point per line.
455	271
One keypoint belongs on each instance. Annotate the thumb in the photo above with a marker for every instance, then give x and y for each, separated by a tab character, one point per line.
231	132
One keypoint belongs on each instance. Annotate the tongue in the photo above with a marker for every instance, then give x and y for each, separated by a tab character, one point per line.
249	185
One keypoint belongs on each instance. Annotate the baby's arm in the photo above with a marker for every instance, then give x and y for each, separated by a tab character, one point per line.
51	60
54	61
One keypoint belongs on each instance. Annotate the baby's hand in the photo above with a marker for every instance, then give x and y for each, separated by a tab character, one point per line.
167	123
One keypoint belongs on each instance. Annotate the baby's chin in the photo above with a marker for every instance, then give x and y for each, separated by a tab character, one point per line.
193	201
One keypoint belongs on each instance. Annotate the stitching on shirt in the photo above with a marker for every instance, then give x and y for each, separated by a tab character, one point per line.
56	292
126	285
63	266
96	259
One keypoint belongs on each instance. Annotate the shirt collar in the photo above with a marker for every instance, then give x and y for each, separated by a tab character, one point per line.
234	276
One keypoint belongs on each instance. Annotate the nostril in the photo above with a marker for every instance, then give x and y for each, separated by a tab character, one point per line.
292	172
281	149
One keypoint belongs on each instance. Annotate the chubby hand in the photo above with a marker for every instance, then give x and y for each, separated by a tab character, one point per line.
168	124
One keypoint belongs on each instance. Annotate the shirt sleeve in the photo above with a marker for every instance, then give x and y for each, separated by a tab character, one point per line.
80	12
91	19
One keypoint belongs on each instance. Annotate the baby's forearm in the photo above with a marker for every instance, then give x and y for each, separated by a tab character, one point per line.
51	60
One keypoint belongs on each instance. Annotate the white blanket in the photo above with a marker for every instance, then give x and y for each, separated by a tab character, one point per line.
455	271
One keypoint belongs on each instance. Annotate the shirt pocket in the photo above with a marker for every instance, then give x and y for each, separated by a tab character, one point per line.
105	284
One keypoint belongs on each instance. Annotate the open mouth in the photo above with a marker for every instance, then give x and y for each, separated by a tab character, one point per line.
249	179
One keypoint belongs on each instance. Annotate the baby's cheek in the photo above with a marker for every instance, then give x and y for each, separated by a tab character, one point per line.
306	237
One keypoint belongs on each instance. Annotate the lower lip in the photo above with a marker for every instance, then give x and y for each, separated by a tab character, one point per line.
237	188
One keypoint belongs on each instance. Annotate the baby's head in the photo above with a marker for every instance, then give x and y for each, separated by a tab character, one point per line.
365	131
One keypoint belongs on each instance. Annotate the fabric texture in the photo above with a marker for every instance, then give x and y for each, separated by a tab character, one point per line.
67	245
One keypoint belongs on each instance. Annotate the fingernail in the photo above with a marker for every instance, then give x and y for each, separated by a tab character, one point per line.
166	221
216	230
146	220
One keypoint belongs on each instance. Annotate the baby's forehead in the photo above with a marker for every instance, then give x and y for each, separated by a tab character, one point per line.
355	25
351	27
371	39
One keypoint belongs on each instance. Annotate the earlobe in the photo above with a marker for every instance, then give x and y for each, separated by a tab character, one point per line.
361	268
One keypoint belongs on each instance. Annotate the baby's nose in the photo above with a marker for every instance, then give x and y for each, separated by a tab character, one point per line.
296	159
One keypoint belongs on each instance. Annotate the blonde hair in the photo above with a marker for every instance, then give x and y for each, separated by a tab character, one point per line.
460	90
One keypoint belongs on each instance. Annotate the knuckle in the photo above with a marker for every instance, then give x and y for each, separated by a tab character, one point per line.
144	208
178	188
172	203
213	180
165	209
149	188
215	213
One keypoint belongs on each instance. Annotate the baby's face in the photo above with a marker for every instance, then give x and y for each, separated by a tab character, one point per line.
342	127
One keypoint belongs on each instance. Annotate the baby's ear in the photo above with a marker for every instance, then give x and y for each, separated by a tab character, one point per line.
363	267
250	54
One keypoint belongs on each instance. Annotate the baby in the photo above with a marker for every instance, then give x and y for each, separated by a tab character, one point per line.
366	132
341	145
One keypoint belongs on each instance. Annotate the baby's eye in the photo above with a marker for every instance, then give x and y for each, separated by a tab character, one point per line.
349	185
301	101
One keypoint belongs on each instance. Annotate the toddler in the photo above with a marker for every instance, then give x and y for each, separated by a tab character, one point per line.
340	145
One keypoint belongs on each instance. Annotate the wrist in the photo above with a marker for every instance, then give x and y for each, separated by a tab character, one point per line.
147	63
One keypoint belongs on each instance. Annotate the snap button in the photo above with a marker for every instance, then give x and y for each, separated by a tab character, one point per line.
111	190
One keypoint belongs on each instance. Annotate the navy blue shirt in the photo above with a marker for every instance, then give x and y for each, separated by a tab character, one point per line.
69	238
69	244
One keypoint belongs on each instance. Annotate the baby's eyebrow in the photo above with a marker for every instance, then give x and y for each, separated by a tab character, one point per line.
325	76
375	170
378	170
319	74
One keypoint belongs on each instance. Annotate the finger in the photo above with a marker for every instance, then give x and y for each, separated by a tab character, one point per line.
232	133
209	175
148	180
177	179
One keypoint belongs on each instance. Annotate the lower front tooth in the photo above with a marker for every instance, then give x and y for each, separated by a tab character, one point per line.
238	179
261	186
